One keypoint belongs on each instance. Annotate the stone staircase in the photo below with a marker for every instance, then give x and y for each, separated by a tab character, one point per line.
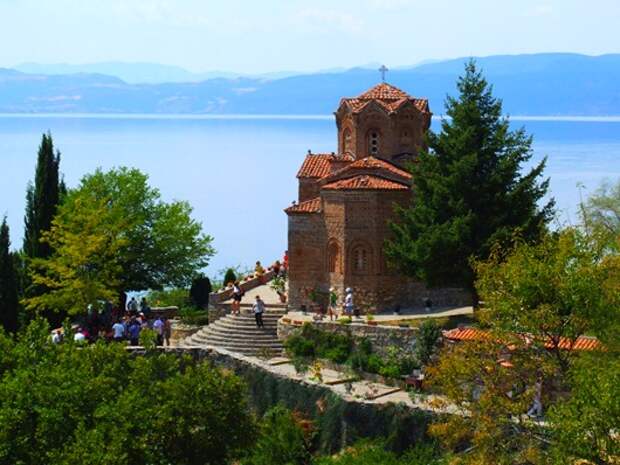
238	333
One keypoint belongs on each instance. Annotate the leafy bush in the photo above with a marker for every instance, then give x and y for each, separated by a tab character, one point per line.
373	453
199	292
282	440
173	297
229	277
194	316
99	404
426	344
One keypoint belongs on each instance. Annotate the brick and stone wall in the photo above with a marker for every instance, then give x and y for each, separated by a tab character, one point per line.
381	337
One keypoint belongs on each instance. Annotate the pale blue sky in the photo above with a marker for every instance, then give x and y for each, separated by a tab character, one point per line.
270	35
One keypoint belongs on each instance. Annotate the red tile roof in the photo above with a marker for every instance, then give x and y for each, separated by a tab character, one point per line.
388	96
318	165
372	163
473	334
365	182
309	206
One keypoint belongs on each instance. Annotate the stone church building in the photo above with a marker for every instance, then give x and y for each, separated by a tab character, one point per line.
337	229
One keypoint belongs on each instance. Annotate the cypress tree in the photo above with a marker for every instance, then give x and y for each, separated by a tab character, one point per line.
9	300
469	193
42	199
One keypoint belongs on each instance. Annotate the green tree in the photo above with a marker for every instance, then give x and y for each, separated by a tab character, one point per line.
281	441
42	199
99	404
539	298
600	214
229	277
199	291
113	234
469	192
9	300
585	425
426	342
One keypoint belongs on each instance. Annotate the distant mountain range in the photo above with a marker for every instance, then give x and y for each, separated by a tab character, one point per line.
550	84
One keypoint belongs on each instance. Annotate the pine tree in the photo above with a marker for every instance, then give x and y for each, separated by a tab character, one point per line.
9	301
469	192
42	199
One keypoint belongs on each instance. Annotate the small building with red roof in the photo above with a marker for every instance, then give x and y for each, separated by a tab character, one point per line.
338	226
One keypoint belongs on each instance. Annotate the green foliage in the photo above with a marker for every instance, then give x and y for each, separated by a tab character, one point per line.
9	286
469	190
170	297
373	453
600	215
585	426
281	441
229	277
199	291
426	343
101	405
148	338
42	199
312	343
194	316
565	286
116	234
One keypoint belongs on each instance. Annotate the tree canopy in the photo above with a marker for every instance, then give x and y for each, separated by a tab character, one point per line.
469	192
113	233
9	287
42	199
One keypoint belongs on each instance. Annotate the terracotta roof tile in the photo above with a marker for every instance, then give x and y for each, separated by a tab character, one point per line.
365	182
373	163
309	206
388	96
318	165
473	334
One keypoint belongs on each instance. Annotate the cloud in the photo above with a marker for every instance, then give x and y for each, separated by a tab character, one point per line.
329	20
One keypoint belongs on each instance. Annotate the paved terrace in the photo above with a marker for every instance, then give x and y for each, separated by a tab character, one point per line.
410	314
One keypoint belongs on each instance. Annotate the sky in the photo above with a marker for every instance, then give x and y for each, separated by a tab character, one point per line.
254	36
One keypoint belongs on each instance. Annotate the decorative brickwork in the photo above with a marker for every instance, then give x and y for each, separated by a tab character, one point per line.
337	230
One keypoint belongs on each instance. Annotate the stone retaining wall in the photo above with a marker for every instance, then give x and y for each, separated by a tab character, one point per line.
246	285
381	337
340	421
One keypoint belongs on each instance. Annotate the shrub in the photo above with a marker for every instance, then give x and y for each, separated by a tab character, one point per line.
199	292
229	277
100	404
426	343
282	440
194	316
173	297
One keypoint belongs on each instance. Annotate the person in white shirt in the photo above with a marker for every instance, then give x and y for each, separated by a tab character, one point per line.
118	329
158	326
348	302
259	308
79	336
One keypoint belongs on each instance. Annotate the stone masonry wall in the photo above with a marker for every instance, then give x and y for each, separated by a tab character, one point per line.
381	337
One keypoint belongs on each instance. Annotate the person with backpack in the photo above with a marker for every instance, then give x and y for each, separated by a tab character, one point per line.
237	295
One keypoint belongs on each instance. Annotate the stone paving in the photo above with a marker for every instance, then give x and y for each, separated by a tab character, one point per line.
413	314
269	296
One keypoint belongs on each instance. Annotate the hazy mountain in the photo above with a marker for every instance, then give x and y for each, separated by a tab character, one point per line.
541	84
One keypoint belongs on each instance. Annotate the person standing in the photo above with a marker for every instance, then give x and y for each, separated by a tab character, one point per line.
237	295
259	309
118	330
158	326
167	331
132	306
134	332
333	301
348	302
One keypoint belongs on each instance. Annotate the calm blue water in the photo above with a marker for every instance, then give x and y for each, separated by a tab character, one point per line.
240	173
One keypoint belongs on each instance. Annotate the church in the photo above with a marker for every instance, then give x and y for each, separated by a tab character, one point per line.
337	228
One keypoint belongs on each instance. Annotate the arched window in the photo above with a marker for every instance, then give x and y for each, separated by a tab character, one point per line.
333	257
373	142
361	259
347	141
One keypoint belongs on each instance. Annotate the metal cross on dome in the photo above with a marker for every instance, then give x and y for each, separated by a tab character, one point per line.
383	70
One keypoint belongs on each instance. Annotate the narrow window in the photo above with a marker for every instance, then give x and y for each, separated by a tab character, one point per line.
373	142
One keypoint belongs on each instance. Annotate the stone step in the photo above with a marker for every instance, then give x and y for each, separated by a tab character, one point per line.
246	325
258	335
236	345
225	337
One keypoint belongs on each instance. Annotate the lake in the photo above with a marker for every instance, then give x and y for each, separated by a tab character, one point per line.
239	172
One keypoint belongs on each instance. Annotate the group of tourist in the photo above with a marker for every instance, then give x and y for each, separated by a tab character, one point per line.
113	325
